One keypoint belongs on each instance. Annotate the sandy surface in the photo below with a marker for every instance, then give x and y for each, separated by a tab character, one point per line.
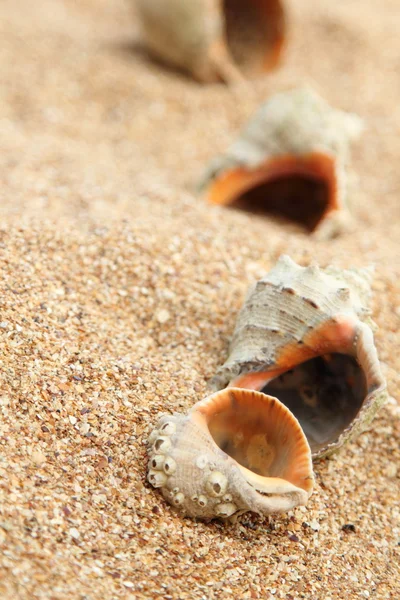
100	232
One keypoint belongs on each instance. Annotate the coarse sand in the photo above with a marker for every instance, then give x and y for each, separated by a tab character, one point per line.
120	289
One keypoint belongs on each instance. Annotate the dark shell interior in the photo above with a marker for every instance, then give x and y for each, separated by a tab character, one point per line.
302	189
297	198
254	31
324	393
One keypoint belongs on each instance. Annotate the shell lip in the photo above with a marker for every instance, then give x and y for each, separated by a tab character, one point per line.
228	186
274	485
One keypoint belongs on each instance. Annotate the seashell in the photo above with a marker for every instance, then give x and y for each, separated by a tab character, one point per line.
291	160
303	336
214	39
254	456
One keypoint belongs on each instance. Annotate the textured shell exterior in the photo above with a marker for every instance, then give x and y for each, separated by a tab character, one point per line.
295	123
295	313
203	481
180	32
191	35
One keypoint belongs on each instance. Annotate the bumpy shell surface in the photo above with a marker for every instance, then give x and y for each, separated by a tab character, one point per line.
294	134
213	39
235	451
303	335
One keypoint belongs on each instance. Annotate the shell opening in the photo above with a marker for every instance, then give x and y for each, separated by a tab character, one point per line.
299	189
324	393
261	435
254	31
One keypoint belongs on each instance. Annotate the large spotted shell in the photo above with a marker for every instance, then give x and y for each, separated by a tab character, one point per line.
303	336
212	39
235	451
291	159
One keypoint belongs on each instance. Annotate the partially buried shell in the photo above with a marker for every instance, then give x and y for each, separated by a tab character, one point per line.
235	451
303	336
291	159
214	39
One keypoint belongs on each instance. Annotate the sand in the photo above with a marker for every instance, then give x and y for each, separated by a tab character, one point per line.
120	289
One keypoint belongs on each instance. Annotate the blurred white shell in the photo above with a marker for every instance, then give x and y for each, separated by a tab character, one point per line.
302	336
235	451
214	39
290	159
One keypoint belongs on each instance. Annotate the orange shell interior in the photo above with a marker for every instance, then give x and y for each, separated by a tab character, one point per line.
255	33
260	434
231	185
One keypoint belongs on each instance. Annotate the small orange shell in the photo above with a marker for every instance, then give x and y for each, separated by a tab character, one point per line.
214	39
235	451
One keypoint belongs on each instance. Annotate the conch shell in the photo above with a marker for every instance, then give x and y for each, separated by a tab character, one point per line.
291	160
235	451
303	337
214	39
